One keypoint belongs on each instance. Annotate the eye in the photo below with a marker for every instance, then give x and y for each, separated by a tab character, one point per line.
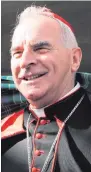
42	50
17	54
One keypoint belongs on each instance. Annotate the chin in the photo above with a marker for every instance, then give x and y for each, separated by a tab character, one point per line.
34	96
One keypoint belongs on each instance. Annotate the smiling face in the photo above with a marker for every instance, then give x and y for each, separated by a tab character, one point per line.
42	67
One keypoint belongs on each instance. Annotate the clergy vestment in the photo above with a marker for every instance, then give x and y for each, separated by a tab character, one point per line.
59	141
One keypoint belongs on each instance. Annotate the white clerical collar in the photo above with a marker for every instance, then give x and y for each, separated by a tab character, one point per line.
41	113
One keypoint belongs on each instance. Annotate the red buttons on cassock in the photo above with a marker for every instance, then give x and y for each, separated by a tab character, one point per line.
43	122
35	169
38	152
39	136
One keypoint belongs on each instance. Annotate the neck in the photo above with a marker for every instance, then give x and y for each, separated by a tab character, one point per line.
47	101
74	93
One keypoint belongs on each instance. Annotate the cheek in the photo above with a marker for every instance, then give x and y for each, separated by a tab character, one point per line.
62	68
15	67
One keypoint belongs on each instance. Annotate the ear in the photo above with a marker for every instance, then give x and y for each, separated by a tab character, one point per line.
76	58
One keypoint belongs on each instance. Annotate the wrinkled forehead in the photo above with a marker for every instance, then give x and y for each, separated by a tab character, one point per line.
32	29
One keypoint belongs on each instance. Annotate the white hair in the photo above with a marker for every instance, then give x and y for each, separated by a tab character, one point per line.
67	36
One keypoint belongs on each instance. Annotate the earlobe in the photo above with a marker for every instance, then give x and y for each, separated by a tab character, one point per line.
76	58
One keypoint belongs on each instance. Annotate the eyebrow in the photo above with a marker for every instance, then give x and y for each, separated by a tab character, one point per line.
34	46
41	44
15	48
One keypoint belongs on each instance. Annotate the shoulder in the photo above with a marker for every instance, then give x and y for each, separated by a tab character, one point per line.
12	124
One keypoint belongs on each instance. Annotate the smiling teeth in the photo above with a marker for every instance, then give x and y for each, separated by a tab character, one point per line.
33	77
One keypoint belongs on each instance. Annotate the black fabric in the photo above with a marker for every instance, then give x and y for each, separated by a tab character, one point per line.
77	154
65	106
75	142
6	144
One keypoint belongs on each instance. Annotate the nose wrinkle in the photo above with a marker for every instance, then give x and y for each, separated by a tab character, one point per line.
28	67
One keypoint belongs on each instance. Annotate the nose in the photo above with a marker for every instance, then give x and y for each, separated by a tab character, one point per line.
28	58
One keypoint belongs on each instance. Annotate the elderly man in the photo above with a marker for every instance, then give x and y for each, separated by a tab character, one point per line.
54	132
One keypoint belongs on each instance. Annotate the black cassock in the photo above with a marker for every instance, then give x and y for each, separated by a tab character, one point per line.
71	152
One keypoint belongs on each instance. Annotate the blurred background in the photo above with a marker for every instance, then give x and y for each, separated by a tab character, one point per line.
77	13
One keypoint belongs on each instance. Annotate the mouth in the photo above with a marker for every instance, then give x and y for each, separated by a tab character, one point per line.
33	77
